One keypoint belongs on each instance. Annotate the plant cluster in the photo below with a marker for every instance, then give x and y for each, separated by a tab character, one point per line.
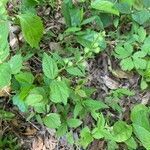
58	97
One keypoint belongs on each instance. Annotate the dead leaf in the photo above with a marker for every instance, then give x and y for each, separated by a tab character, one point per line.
110	83
30	131
50	143
5	91
121	74
37	144
146	98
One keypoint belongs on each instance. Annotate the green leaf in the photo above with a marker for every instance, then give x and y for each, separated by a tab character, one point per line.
20	103
70	138
105	6
50	68
112	145
33	99
94	104
143	135
52	120
131	143
24	77
140	116
121	131
141	16
86	137
61	131
75	71
5	75
74	123
123	52
15	64
5	115
142	34
59	92
78	108
127	64
32	28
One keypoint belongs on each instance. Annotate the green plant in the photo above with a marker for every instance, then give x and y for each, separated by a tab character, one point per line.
58	96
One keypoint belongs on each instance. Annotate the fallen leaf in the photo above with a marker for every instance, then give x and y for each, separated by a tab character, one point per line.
110	83
146	98
5	91
30	131
37	144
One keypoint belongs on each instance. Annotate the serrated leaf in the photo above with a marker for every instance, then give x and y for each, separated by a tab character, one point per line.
52	120
59	92
5	75
131	143
127	64
74	123
77	109
49	66
140	116
143	135
121	131
15	64
94	105
32	28
105	6
141	16
75	71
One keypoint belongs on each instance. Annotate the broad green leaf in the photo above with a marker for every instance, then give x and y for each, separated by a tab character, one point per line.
141	16
4	46
140	116
142	34
97	133
5	115
5	75
24	77
50	68
131	143
105	6
33	99
112	145
94	104
70	138
127	64
59	92
32	28
77	109
52	120
123	8
74	123
75	71
143	135
61	131
123	52
86	137
121	131
15	64
20	103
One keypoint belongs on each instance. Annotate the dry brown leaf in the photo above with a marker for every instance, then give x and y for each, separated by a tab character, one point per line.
146	98
30	131
37	144
50	143
5	91
110	83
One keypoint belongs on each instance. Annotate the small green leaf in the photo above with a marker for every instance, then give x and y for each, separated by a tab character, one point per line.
121	131
140	116
141	16
143	135
131	143
50	68
52	120
32	28
86	137
59	92
127	64
16	64
75	71
78	108
5	75
74	123
5	115
94	104
105	6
